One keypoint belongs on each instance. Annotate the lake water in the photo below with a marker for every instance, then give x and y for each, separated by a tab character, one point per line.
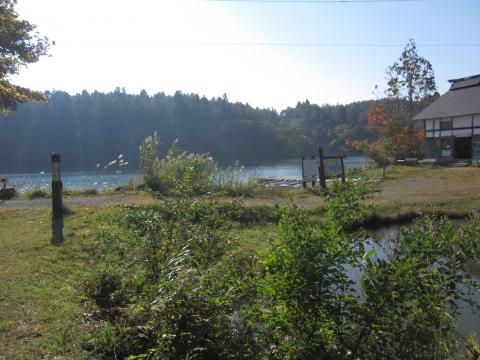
104	180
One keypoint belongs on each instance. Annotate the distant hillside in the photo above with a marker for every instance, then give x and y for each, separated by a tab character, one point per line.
94	128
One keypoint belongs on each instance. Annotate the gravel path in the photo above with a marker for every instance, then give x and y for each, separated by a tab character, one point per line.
80	201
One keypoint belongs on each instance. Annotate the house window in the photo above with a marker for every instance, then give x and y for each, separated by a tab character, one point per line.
446	146
446	124
445	143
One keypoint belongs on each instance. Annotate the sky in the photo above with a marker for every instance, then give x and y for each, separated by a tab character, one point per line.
267	54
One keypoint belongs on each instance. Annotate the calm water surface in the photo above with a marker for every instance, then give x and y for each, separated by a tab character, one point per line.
104	180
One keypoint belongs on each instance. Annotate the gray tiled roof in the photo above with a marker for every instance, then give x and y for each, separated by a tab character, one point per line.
463	98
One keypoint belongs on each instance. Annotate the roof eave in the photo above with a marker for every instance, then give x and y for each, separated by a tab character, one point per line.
464	78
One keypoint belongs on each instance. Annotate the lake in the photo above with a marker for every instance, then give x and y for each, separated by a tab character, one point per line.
104	180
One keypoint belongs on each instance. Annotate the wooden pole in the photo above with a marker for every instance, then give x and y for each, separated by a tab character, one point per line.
321	170
343	169
313	181
304	183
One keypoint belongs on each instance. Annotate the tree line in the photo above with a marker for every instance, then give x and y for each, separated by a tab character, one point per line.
94	128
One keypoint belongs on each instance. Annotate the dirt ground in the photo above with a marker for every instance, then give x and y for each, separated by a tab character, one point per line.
431	185
89	201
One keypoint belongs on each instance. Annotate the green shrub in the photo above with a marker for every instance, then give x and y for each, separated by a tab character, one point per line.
406	308
105	339
38	193
174	283
177	173
104	287
183	173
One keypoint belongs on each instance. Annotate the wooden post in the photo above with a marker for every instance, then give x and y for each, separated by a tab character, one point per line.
321	170
304	184
343	169
57	187
313	181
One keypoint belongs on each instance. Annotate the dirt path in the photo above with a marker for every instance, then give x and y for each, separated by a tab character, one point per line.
79	201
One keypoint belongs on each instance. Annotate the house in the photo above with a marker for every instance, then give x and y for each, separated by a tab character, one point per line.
452	122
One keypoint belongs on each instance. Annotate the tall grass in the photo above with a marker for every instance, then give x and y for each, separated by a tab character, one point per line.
38	193
183	173
233	182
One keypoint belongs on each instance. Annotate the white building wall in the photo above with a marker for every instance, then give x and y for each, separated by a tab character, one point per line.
476	120
462	121
429	124
461	126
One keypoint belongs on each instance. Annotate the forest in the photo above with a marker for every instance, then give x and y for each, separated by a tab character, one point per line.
94	128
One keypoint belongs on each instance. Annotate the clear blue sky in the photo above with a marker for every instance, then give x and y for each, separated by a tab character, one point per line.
192	45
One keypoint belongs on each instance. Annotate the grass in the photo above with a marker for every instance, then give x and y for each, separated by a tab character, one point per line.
37	193
41	303
81	192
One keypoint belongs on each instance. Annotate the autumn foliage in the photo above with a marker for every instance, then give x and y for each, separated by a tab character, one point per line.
411	83
396	137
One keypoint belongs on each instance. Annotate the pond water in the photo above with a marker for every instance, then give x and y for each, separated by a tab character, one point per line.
293	167
468	322
103	180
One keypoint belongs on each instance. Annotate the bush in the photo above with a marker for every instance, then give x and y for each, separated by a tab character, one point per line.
37	193
103	286
188	290
183	173
406	308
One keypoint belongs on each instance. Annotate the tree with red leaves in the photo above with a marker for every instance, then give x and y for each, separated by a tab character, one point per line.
410	81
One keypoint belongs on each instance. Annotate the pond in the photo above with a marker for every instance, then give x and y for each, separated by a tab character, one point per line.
468	322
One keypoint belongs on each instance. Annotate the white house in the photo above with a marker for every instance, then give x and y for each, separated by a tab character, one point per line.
452	122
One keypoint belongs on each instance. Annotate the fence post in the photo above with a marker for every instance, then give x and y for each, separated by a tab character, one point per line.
313	181
304	184
321	170
343	169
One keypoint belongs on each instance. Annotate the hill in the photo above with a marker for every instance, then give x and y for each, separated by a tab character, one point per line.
94	128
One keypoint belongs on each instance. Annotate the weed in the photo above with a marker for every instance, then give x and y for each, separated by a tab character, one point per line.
80	192
37	193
